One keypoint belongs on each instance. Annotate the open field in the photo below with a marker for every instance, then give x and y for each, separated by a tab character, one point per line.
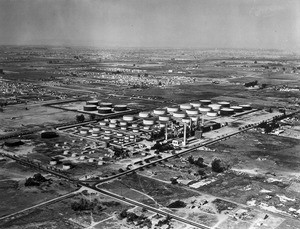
15	196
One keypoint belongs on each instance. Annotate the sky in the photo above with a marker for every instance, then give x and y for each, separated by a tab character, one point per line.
257	24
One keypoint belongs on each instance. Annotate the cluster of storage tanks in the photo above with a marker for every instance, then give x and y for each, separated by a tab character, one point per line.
103	107
185	113
108	134
191	111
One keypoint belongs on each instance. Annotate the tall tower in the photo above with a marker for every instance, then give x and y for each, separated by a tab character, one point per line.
166	135
184	134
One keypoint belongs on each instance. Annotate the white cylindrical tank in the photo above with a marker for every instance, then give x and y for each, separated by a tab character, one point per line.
246	107
205	102
102	123
212	114
159	111
107	132
135	125
104	110
113	120
144	114
148	121
83	132
196	104
105	104
135	130
123	123
164	118
172	109
215	106
237	109
128	118
185	106
179	114
192	112
204	110
120	107
226	111
224	104
147	127
112	125
96	129
89	107
106	137
93	102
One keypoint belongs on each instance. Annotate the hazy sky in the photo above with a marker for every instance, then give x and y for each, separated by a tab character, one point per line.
152	23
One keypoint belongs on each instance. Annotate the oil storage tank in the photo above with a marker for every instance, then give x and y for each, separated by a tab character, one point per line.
192	112
89	107
215	106
204	110
148	121
246	107
185	106
92	102
159	111
128	118
120	107
226	111
237	109
104	110
172	109
164	118
144	114
224	104
205	102
179	114
196	104
212	114
105	104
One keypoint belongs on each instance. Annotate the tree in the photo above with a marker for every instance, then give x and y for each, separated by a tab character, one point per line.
217	166
80	118
177	204
199	162
191	159
201	172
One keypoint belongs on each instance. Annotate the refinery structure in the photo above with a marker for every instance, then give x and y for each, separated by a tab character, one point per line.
180	127
183	120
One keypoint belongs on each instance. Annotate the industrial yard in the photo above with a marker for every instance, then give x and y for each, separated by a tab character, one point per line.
123	140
